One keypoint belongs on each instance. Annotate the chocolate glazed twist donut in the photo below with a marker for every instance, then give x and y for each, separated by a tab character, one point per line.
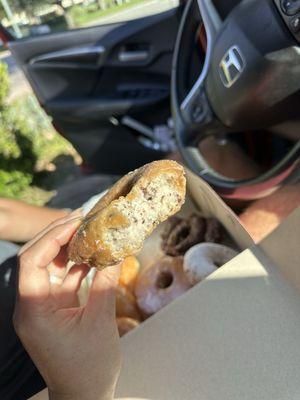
181	234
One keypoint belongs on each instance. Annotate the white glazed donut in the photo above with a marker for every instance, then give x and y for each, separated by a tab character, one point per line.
203	259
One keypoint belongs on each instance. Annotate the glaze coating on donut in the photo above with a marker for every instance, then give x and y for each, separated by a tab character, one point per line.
126	325
120	222
126	305
160	283
129	272
180	234
213	233
204	259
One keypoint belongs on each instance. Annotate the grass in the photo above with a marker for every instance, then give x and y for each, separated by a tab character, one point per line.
84	16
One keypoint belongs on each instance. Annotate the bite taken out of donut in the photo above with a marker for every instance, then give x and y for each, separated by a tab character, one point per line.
204	259
120	222
160	283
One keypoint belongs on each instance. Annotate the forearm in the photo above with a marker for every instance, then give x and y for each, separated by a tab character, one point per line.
20	222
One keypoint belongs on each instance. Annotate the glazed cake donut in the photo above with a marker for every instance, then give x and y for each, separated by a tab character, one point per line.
122	219
159	284
126	324
129	271
126	304
204	259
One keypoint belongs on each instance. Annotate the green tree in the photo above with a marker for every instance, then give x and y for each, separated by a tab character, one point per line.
29	6
65	10
2	12
33	7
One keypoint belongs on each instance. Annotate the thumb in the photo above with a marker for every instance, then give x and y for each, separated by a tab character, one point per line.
102	294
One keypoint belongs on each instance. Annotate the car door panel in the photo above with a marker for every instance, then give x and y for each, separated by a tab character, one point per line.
54	61
84	77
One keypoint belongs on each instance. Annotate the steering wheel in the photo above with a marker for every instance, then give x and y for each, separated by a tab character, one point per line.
250	80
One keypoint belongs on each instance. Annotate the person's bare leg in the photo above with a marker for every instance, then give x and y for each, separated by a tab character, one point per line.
20	222
264	215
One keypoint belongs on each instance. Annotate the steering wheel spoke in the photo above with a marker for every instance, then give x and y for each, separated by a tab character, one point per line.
211	18
194	107
194	136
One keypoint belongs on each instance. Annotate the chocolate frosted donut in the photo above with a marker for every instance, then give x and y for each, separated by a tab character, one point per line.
181	234
160	284
204	259
213	232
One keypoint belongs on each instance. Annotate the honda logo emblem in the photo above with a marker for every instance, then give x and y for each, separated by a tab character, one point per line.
231	66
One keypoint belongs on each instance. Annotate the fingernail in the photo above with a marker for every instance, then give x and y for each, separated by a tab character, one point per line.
74	219
74	214
78	211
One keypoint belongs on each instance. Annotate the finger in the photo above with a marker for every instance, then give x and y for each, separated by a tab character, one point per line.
44	231
73	215
61	259
58	266
101	300
33	276
66	294
74	277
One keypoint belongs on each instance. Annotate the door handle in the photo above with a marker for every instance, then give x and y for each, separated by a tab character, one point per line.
68	54
133	55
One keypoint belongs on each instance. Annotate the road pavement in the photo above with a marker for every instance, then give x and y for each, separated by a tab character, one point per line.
150	7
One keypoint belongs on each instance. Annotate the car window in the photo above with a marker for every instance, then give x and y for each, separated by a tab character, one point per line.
38	17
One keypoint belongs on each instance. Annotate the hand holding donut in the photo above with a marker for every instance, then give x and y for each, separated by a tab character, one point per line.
76	349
